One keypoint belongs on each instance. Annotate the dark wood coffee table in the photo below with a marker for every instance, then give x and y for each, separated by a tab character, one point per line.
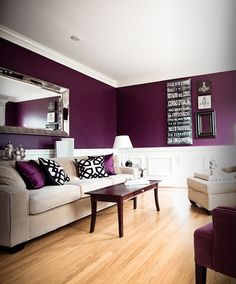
118	194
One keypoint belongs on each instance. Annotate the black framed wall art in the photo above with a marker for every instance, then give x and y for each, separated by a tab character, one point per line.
204	87
206	124
179	112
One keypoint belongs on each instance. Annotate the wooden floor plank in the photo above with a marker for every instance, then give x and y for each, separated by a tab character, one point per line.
157	247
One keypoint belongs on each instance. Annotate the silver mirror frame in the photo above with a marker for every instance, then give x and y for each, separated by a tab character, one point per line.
64	92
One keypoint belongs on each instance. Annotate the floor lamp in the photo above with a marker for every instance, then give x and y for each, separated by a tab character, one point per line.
122	142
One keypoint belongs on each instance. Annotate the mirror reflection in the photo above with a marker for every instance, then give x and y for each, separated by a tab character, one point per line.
32	106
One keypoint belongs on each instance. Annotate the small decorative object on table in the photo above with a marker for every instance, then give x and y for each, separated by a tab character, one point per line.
128	163
141	171
16	154
22	152
10	153
212	167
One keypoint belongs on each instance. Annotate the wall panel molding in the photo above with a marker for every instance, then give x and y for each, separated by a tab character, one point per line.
159	166
173	165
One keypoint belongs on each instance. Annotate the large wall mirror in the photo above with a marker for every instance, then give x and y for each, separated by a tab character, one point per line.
32	106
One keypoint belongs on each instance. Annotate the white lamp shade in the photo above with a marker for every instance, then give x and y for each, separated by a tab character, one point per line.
122	141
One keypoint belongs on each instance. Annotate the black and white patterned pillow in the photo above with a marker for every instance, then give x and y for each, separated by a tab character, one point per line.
91	168
55	174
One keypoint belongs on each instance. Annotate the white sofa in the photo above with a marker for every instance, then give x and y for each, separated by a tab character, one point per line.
26	214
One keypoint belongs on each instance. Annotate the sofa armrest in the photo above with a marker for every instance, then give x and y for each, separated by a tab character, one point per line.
14	215
224	224
229	169
130	170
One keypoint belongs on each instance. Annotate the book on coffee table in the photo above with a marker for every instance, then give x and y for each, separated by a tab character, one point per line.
137	181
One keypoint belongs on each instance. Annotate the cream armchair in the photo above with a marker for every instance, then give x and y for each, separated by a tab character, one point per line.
211	194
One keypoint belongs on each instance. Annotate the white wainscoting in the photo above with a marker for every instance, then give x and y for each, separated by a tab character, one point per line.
91	152
49	153
170	164
174	164
35	153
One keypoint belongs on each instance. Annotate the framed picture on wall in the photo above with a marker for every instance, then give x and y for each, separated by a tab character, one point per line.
51	117
204	102
205	124
179	112
204	87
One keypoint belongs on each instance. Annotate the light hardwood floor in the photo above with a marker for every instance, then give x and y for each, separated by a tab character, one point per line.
157	247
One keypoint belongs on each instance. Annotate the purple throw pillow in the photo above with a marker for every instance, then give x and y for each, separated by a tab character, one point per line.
31	173
108	163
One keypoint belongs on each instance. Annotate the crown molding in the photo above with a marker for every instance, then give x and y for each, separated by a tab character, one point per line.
172	76
38	48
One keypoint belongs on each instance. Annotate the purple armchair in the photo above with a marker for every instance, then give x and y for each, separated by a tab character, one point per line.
215	244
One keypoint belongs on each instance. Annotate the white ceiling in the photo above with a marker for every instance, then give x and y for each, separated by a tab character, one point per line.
126	42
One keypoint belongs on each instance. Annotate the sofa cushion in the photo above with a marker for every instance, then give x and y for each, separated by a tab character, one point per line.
9	175
55	174
91	168
87	185
116	164
31	173
49	197
108	163
69	166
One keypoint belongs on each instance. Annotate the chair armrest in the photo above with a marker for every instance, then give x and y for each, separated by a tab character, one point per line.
224	224
229	169
14	215
130	170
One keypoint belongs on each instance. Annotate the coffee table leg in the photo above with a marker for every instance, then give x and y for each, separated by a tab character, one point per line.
94	213
135	202
156	197
120	217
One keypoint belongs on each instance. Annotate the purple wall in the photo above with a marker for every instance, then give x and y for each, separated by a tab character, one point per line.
142	111
92	103
97	114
